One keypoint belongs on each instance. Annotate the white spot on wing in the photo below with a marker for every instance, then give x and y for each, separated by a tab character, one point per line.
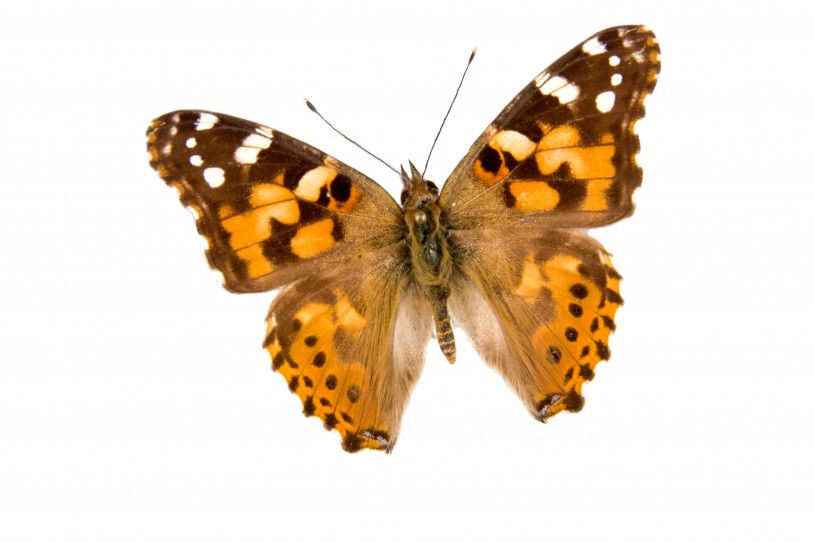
616	79
206	121
594	47
196	160
614	60
257	141
167	149
561	89
191	143
247	155
214	176
605	101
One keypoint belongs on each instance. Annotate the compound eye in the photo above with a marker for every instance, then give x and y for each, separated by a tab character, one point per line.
432	187
404	196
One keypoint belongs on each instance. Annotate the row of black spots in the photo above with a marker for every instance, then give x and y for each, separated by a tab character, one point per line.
586	373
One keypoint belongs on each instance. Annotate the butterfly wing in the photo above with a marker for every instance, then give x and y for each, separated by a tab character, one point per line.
539	309
351	343
272	208
562	153
536	299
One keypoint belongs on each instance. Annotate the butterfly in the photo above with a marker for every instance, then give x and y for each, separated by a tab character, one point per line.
364	283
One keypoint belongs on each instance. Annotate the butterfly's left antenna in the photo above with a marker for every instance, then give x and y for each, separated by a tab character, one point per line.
472	56
311	106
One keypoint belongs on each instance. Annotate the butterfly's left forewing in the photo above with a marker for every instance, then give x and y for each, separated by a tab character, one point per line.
271	207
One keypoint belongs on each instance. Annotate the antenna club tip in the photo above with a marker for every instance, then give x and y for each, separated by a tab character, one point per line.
310	105
472	55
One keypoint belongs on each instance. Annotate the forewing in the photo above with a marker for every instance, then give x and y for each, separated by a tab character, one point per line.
351	343
272	208
539	308
562	153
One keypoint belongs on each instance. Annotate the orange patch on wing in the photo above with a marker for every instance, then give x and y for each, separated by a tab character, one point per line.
562	145
531	281
534	196
257	264
269	201
313	239
596	195
312	181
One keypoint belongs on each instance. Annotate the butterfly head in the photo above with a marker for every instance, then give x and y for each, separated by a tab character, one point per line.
418	192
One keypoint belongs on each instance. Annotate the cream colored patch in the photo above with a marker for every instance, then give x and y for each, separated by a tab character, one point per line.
214	176
561	89
347	316
616	79
191	143
312	181
531	281
313	239
247	155
563	145
515	143
281	202
257	140
533	196
605	101
205	121
196	160
614	60
593	47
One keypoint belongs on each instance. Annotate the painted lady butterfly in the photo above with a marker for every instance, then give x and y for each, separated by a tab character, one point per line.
365	282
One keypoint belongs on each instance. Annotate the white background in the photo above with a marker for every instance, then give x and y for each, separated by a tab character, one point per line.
137	404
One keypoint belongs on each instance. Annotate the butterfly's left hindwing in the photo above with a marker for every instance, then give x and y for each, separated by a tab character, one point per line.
272	208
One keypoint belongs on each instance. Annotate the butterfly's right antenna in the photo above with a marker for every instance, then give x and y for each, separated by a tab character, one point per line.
314	109
472	55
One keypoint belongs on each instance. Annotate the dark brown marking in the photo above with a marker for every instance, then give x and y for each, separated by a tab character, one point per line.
572	193
311	340
571	334
319	359
270	338
323	199
568	376
586	372
331	382
579	291
277	361
583	270
308	382
296	324
575	310
330	422
294	383
293	364
574	401
609	323
554	354
347	418
490	160
353	393
325	402
308	406
614	297
602	350
341	188
595	325
611	272
585	352
351	443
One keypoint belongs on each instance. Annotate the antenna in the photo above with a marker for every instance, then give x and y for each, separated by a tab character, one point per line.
472	55
314	109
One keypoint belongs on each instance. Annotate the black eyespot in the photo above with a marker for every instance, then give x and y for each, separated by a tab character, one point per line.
404	196
432	187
